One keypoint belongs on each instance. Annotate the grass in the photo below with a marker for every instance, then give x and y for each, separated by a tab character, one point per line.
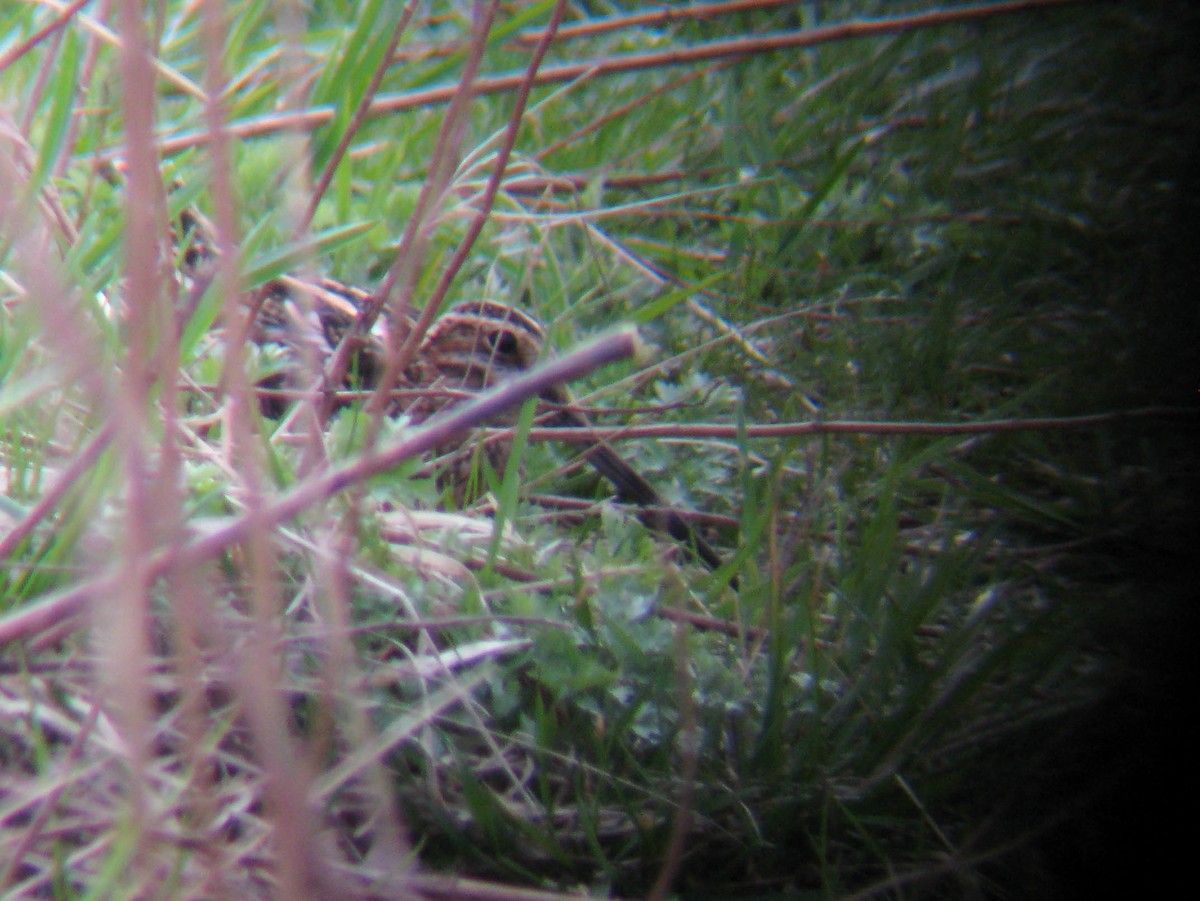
226	671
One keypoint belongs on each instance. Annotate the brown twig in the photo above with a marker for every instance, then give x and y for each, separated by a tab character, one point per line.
577	508
361	112
68	479
48	800
865	427
86	71
624	110
456	888
656	18
737	47
15	53
403	271
712	623
483	210
688	749
439	430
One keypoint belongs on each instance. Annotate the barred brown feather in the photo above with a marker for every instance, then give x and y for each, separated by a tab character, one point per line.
472	347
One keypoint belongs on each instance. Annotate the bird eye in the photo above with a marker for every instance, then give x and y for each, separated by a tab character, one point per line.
504	343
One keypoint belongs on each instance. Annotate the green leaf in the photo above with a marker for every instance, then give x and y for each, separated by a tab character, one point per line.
650	311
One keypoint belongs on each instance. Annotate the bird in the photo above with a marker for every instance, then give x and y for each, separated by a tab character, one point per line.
477	344
472	347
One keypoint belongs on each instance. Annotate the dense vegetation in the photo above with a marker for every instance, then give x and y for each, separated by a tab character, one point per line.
919	354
